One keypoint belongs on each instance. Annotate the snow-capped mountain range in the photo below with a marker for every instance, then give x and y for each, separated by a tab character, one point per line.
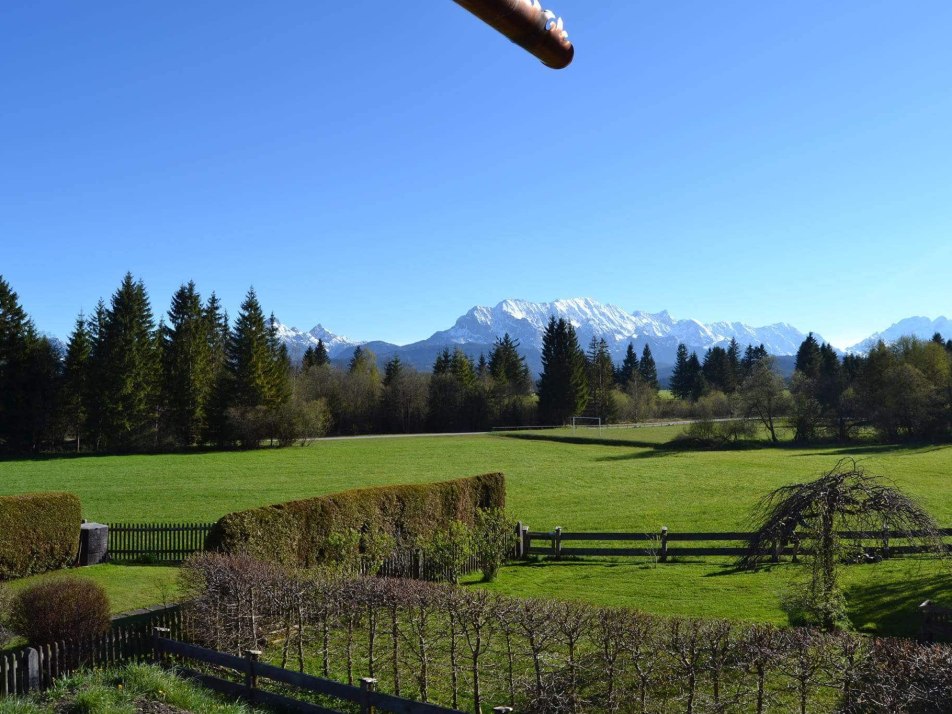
921	327
525	321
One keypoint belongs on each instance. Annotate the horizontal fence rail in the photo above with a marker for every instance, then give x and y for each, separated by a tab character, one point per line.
558	543
169	543
250	672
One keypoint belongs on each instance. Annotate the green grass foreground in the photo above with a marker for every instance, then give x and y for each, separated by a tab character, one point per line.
619	479
124	690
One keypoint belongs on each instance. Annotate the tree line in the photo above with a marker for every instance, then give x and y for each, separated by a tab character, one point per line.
194	378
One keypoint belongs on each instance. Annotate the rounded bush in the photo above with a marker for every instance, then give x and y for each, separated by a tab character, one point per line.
66	608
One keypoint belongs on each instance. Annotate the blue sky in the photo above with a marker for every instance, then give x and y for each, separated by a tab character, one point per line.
382	167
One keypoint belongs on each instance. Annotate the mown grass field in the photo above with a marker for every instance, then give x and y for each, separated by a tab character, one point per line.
613	480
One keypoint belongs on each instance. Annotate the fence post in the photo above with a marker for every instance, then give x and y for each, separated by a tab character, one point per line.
251	676
796	548
557	543
775	556
518	553
367	687
157	634
32	679
664	545
526	542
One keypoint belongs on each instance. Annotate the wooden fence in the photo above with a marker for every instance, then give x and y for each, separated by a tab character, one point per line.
168	543
35	668
658	545
250	671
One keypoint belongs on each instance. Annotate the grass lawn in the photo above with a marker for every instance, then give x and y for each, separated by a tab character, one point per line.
129	586
617	479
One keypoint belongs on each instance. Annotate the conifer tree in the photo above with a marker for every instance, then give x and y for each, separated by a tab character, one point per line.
188	368
128	355
75	385
508	368
250	356
681	377
217	336
280	366
733	363
321	357
307	359
563	387
601	379
648	369
695	377
808	357
630	367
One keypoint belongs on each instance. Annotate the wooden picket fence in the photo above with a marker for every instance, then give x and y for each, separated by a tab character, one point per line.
167	543
658	545
35	668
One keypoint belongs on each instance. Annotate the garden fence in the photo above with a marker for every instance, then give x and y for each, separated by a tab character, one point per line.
558	543
169	543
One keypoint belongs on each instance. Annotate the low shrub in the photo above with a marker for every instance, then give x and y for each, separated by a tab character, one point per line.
40	532
299	532
67	608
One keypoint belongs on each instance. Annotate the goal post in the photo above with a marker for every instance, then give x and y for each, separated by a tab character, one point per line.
586	422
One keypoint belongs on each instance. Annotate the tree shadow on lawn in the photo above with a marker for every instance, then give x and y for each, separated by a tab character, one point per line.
874	449
892	608
581	440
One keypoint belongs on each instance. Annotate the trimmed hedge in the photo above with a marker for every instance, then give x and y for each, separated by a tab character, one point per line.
38	532
296	533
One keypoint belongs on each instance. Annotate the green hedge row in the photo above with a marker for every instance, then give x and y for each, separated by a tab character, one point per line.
38	532
296	533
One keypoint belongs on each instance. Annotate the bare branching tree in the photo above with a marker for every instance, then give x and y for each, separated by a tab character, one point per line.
845	505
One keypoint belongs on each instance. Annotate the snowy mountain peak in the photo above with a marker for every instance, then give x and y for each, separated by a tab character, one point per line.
918	326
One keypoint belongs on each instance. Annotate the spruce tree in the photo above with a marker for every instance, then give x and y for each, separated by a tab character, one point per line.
129	369
217	336
17	339
648	369
601	380
563	386
808	357
733	364
321	357
508	368
630	367
695	377
307	360
76	377
280	367
188	369
680	378
249	356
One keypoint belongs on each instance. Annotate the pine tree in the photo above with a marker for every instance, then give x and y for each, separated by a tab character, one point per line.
630	367
648	369
250	357
508	368
76	377
680	383
717	370
17	339
563	387
601	380
129	369
280	366
188	369
321	357
307	360
808	357
695	377
733	364
217	336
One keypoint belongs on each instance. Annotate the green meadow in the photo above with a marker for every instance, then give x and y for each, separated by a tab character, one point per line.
617	479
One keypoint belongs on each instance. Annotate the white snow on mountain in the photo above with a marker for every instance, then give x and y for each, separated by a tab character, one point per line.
297	341
526	321
921	327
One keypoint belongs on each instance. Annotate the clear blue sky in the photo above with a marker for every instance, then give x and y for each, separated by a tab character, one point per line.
382	167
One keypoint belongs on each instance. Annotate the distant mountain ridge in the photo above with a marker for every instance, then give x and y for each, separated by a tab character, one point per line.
921	327
478	328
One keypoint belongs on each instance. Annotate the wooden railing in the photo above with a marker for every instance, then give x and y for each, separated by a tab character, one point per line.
250	671
168	543
731	543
